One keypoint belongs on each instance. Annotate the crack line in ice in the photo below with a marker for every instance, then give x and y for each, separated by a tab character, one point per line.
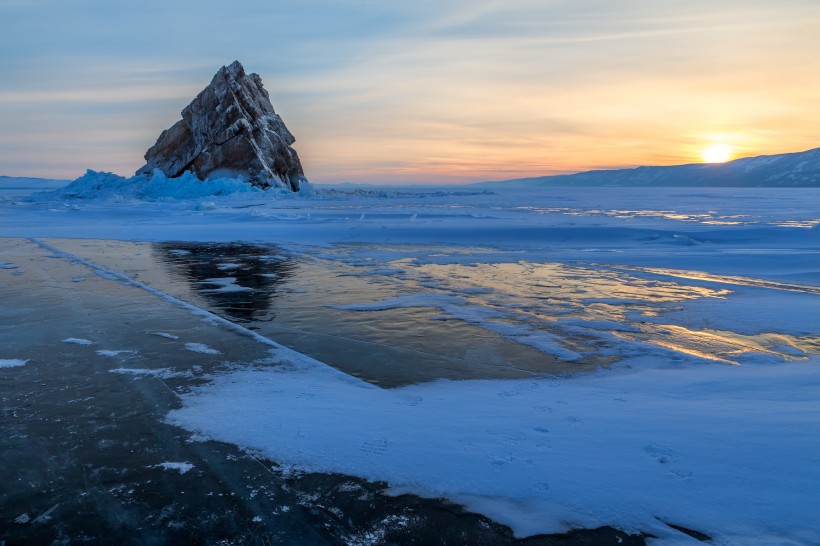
193	309
721	279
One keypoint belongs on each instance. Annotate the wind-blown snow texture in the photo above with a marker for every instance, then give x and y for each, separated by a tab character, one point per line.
800	169
665	435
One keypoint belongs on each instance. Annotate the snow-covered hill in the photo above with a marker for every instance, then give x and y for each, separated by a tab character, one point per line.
800	169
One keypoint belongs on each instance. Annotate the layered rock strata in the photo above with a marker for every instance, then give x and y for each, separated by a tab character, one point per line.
229	128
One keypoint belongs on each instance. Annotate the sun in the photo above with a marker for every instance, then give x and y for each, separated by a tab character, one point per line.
716	153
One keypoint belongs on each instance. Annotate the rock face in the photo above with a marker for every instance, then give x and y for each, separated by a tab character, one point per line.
229	127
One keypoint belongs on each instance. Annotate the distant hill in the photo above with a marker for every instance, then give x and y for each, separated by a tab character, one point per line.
17	186
795	170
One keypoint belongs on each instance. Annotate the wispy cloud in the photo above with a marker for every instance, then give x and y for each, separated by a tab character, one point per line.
444	90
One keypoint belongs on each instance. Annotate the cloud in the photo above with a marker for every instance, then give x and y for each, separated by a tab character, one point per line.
445	89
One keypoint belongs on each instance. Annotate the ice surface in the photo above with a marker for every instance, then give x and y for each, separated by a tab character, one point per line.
457	308
225	284
666	286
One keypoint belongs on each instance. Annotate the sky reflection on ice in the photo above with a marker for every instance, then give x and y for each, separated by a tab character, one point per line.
379	318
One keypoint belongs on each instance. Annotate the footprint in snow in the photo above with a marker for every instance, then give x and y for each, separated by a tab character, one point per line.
374	447
501	459
667	456
661	453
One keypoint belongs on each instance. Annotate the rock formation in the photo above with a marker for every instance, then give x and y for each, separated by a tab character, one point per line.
231	128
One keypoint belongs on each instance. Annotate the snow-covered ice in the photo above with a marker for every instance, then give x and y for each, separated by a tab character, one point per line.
686	321
625	449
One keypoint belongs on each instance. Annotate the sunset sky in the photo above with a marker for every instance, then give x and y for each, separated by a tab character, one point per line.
423	91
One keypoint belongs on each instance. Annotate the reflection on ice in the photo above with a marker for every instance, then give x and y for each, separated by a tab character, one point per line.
398	314
726	279
711	217
598	311
237	279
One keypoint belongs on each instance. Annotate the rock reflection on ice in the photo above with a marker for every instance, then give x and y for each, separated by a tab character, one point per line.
246	295
225	284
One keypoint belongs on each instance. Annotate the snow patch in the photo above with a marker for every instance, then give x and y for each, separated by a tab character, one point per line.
182	468
78	341
110	353
201	348
12	362
545	455
22	519
165	335
225	284
159	373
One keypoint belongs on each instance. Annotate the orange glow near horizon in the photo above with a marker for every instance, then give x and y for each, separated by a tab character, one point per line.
465	93
716	153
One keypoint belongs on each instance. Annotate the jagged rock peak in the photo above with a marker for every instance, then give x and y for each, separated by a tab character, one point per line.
231	128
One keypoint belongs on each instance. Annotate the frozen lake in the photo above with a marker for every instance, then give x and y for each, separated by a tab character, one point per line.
551	360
